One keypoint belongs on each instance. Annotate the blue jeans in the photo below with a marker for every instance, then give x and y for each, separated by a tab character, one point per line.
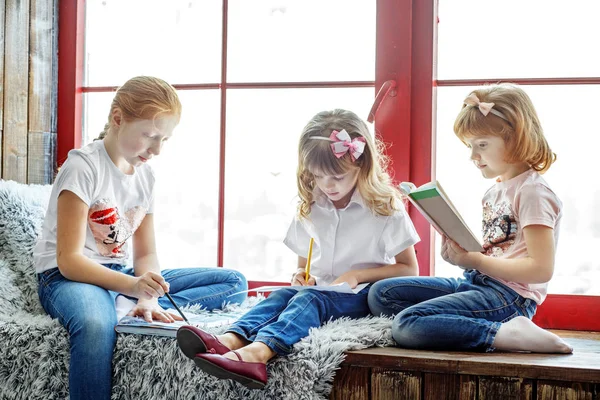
447	313
88	313
286	316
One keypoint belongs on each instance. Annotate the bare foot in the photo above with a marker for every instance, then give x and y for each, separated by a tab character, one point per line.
232	341
255	352
521	334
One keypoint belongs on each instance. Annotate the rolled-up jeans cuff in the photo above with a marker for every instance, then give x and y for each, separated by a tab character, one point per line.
491	336
274	344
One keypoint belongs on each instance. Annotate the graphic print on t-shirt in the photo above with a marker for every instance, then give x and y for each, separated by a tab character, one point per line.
111	228
499	228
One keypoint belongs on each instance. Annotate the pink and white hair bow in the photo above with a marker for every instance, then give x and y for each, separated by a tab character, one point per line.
485	108
343	144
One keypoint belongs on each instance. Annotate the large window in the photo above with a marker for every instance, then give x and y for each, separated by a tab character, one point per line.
557	64
250	74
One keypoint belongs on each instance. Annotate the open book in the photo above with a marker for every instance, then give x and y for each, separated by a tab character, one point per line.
139	326
340	287
431	200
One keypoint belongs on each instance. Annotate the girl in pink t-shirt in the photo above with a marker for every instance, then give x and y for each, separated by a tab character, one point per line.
492	306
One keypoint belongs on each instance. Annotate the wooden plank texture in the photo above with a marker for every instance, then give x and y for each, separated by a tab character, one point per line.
16	82
500	388
351	383
581	366
42	91
553	390
449	387
393	385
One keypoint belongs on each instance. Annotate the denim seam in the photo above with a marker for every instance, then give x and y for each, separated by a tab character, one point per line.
257	328
274	345
238	331
56	311
506	305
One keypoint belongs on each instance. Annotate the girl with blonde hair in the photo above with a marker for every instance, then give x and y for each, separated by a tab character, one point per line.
492	306
103	199
361	234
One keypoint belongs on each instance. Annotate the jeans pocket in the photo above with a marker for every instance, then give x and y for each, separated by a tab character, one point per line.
48	276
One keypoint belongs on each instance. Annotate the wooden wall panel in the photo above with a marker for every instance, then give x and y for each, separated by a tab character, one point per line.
393	385
351	383
449	387
16	82
43	79
555	390
500	388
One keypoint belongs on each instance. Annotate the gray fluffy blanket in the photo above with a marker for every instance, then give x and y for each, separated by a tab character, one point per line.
34	355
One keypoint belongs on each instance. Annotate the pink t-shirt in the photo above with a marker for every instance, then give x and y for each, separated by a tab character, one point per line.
510	206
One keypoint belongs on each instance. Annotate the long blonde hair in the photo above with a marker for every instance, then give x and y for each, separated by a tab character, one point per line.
521	131
374	184
144	97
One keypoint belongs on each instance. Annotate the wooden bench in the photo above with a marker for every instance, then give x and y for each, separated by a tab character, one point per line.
394	373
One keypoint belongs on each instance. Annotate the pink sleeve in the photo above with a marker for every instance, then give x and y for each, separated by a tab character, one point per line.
536	204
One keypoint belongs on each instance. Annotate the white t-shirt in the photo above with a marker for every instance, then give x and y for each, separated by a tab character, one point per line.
350	238
510	206
117	205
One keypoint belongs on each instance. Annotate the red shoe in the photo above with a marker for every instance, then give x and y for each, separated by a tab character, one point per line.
250	374
192	340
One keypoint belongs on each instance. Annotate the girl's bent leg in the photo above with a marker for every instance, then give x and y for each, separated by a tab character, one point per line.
261	315
88	313
208	287
390	296
310	309
466	320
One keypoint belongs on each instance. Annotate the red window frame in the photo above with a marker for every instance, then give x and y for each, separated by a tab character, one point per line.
405	58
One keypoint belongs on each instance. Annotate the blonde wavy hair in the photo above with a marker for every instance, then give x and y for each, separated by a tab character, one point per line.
374	184
144	97
522	132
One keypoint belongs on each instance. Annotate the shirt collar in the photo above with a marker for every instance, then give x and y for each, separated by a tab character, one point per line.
321	200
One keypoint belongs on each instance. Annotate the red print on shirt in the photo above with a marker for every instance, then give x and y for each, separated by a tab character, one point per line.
111	229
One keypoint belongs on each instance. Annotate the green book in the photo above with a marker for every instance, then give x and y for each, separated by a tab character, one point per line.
431	200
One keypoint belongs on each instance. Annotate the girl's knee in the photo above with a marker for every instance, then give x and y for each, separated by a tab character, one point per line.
377	304
94	330
239	279
404	330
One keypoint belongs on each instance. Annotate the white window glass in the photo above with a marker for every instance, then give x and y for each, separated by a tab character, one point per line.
568	117
176	40
263	129
187	178
518	39
310	40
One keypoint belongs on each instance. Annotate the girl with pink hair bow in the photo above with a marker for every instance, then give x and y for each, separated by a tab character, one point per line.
492	305
361	234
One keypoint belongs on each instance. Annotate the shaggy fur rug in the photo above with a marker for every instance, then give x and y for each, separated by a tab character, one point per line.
34	356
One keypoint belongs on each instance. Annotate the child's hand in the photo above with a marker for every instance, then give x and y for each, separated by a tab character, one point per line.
298	279
456	255
149	309
150	285
349	277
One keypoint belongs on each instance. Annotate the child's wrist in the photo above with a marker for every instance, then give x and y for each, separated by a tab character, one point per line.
476	260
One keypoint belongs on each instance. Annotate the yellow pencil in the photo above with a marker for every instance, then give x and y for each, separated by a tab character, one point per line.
307	270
